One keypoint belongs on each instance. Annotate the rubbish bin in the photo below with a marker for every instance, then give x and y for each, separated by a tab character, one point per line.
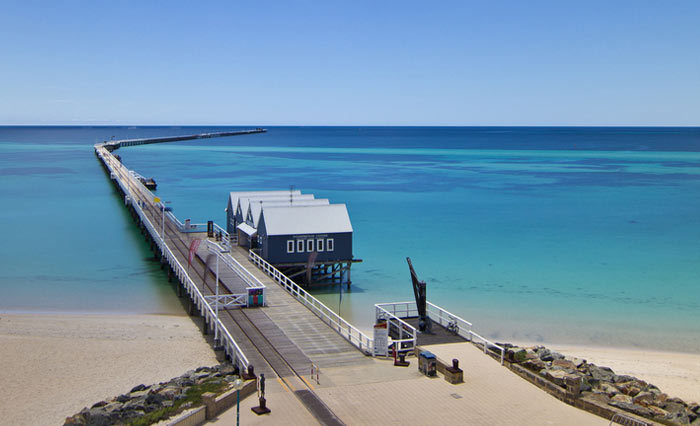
427	363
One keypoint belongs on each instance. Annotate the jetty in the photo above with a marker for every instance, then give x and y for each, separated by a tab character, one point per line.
260	320
319	367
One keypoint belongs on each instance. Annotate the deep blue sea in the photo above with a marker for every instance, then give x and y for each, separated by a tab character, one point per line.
565	235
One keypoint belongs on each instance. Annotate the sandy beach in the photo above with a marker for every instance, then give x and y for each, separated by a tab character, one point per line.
54	365
675	373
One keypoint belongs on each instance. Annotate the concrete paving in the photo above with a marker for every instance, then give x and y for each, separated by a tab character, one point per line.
377	393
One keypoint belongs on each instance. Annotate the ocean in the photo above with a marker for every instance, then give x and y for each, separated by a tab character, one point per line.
553	235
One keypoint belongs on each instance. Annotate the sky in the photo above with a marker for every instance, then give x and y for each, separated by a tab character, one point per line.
350	63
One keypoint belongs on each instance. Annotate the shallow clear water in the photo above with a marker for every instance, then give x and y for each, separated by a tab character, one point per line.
543	234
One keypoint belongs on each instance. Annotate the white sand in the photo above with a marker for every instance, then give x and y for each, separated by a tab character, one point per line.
675	373
54	365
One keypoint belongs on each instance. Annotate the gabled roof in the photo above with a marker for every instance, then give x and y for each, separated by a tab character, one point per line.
256	207
245	201
234	196
331	218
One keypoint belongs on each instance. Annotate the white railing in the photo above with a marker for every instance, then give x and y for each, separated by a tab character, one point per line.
336	322
446	319
407	335
120	172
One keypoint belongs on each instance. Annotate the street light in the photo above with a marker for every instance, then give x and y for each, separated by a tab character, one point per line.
238	384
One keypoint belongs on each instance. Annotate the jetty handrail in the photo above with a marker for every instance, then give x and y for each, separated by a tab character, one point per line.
228	340
337	323
232	263
446	319
401	344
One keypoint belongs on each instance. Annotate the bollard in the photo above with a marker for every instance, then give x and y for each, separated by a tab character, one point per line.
250	374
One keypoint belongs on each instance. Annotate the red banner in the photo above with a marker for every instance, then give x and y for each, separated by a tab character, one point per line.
194	245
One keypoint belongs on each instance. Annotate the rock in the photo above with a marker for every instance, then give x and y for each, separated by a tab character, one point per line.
578	362
138	388
635	409
585	385
135	404
694	407
169	392
673	407
154	398
122	398
113	407
98	417
607	389
643	398
620	397
564	363
680	418
631	388
545	354
138	394
598	397
603	374
623	378
534	364
658	412
99	404
170	404
76	420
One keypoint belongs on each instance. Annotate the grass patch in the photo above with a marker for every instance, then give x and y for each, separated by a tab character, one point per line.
193	396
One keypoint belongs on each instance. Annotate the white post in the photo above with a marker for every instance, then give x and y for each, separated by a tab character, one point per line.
216	306
162	224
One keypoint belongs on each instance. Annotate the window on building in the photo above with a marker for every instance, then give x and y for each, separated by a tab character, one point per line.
290	246
319	245
310	245
329	244
300	246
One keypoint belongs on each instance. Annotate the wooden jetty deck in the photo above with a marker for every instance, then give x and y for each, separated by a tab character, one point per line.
282	340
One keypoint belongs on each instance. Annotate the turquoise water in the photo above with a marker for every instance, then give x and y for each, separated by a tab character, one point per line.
576	235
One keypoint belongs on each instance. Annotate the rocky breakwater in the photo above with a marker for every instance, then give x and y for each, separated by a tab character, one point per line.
601	385
145	405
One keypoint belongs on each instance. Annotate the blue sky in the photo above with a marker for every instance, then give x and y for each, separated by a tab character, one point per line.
350	62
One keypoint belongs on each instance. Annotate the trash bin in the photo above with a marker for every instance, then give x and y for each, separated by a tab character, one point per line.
427	363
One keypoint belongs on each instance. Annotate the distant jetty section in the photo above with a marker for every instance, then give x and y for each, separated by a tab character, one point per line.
112	145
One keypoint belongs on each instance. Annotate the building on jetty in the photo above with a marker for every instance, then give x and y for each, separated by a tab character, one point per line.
308	239
234	216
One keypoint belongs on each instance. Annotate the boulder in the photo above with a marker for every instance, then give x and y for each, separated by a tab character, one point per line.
138	388
604	374
122	398
534	364
620	397
607	389
632	408
597	397
631	388
658	412
76	420
565	364
622	378
98	417
555	376
679	418
643	398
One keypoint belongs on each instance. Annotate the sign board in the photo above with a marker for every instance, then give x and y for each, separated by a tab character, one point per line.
256	297
381	339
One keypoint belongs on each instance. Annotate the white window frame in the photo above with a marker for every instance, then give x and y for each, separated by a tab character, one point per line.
320	245
330	244
310	245
300	246
290	243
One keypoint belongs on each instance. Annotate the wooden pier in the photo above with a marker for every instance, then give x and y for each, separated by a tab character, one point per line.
283	339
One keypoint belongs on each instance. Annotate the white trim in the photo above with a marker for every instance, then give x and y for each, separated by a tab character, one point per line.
320	244
330	244
290	244
300	248
310	245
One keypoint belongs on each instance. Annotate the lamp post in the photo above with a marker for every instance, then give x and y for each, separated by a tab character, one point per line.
238	384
